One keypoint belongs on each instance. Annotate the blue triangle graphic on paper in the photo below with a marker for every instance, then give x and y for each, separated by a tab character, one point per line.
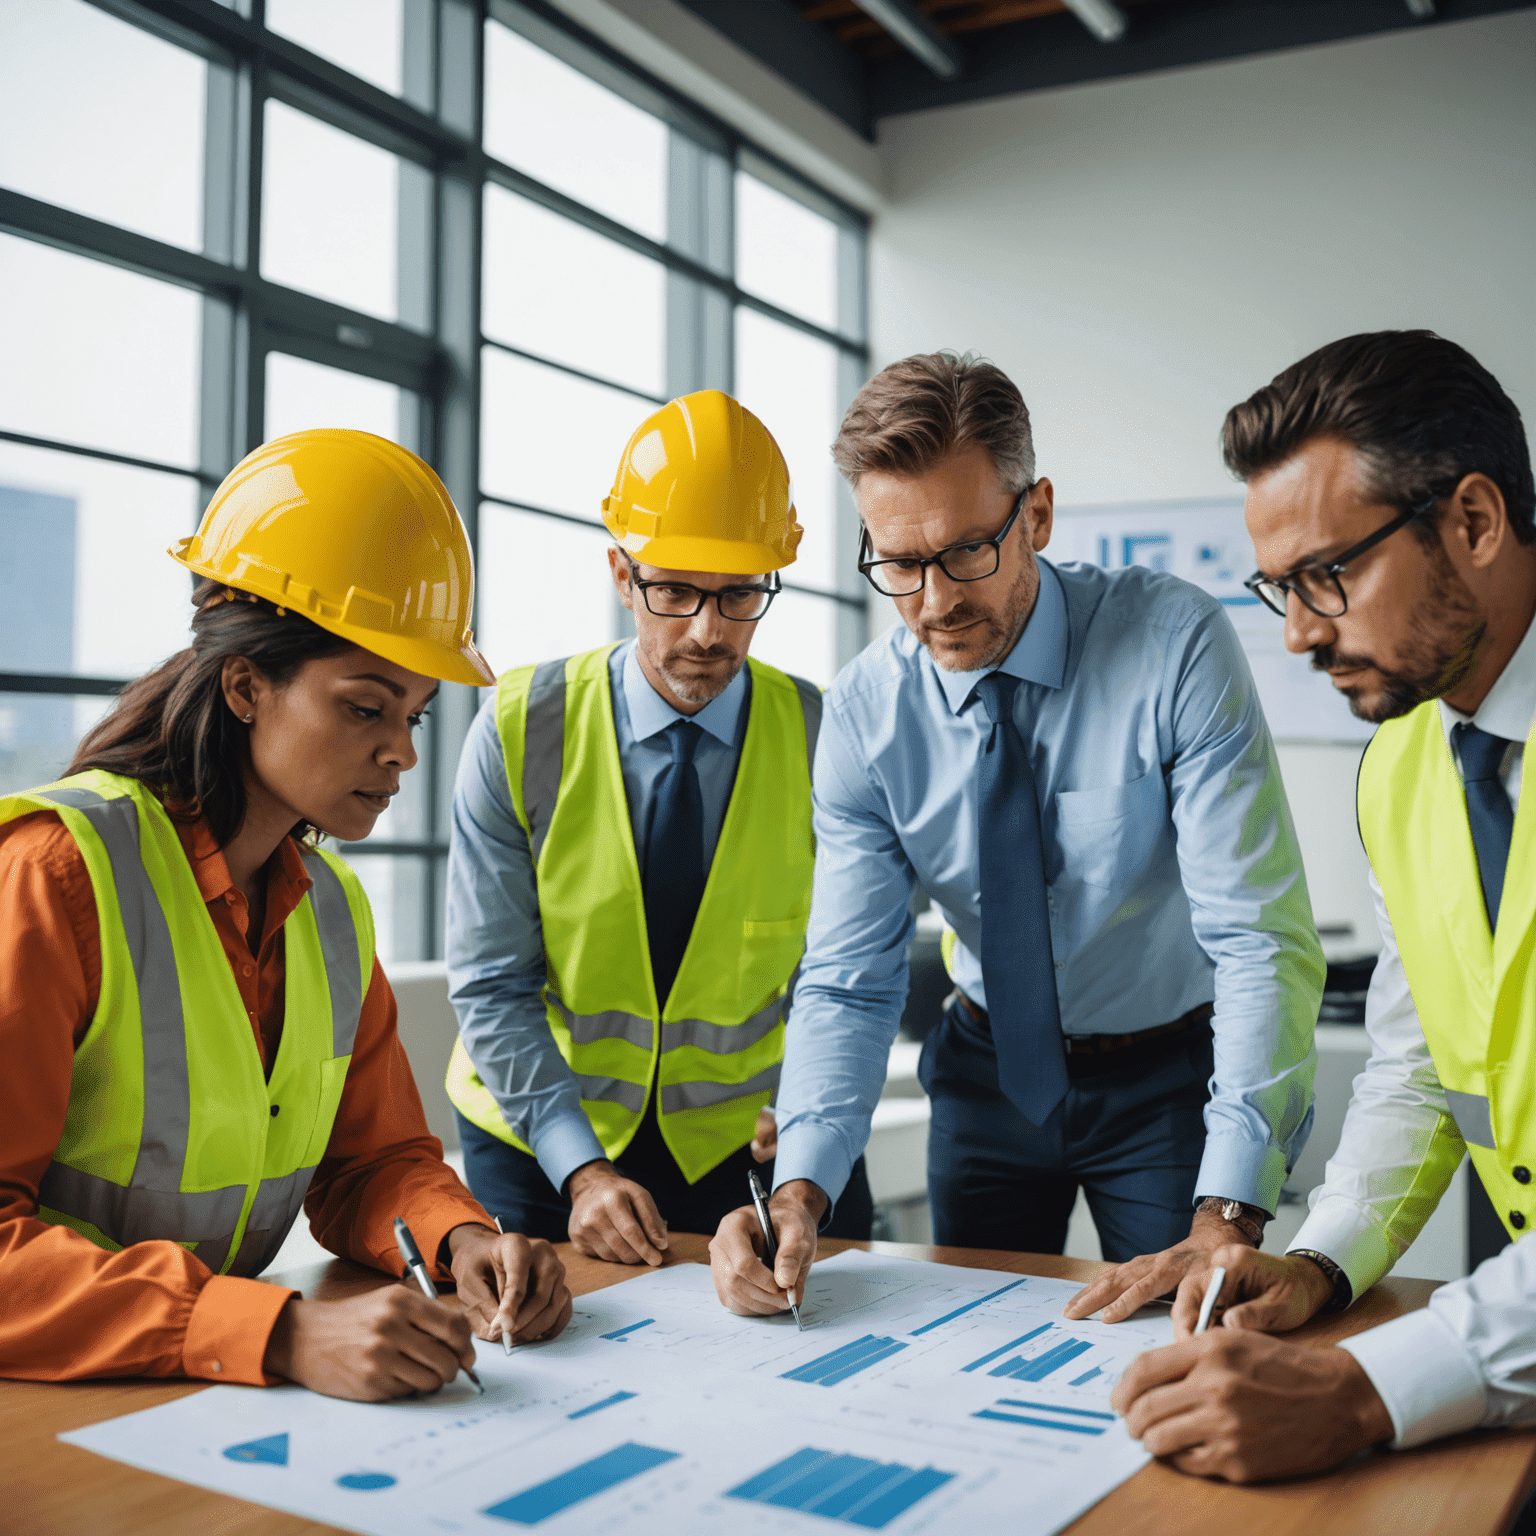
272	1449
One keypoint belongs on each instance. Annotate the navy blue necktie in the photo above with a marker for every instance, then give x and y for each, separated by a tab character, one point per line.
1016	964
1491	816
674	856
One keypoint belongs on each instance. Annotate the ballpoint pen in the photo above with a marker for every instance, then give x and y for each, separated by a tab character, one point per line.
770	1240
413	1262
1212	1291
506	1338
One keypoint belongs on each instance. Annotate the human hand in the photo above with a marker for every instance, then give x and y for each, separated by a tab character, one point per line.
389	1343
1247	1408
765	1136
1264	1292
509	1283
742	1281
613	1217
1121	1290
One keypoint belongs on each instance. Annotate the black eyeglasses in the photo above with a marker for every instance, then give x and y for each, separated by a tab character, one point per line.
1318	586
678	600
972	561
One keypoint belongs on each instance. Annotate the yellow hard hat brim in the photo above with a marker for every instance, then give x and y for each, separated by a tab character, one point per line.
461	664
686	552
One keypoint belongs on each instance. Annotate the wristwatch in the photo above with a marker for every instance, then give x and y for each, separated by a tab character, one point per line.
1248	1219
1343	1291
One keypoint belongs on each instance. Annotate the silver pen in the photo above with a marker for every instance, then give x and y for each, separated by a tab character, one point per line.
1212	1292
413	1262
770	1239
506	1338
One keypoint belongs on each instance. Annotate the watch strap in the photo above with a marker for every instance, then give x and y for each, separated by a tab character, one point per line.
1343	1291
1250	1220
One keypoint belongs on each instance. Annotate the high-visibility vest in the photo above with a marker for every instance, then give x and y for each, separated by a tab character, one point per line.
1475	991
172	1130
716	1048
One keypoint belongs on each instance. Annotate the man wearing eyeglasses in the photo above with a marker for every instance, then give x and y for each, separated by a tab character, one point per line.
1072	763
1393	513
630	869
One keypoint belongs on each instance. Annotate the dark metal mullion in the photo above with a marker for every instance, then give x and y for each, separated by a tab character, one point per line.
404	848
537	511
847	599
55	445
61	682
575	373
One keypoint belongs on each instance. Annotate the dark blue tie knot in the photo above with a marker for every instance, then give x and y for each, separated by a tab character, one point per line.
996	691
683	736
1481	753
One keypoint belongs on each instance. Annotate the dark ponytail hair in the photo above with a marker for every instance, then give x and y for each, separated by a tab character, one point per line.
172	728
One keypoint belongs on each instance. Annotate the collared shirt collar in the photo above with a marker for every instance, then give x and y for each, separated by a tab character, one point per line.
649	713
287	879
1510	707
1039	654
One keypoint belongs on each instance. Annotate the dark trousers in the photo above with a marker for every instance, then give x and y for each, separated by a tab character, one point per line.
1131	1137
510	1184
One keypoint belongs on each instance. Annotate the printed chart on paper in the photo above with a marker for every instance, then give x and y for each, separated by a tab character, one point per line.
920	1397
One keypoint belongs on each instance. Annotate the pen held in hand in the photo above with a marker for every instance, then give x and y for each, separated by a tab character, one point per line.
770	1238
413	1262
1212	1292
506	1338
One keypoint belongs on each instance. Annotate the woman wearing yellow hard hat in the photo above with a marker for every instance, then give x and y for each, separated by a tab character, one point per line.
199	1040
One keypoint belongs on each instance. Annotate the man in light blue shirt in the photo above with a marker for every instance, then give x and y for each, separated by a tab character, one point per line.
1074	766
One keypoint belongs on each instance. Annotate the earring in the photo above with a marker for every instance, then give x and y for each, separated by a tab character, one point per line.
249	718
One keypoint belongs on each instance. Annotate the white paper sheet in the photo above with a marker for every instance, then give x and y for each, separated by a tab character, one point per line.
909	1404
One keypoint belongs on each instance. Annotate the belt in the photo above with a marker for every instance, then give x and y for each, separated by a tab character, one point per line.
1078	1047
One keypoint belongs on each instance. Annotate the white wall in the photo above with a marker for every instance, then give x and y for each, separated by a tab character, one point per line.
1140	254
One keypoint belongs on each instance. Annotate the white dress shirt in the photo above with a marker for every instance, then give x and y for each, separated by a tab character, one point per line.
1469	1357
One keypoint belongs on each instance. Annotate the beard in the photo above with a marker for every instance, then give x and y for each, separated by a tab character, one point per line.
981	648
1438	657
693	689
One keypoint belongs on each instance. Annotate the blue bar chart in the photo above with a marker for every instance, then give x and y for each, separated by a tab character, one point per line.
607	1402
618	1333
557	1494
1044	1365
1002	1349
848	1488
1073	1421
828	1370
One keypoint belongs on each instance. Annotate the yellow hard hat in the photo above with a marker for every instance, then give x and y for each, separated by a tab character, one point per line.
702	486
355	533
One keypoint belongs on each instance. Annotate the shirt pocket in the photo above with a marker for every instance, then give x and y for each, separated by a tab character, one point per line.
1105	837
769	953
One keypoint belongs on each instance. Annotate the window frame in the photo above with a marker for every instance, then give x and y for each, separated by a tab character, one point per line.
436	123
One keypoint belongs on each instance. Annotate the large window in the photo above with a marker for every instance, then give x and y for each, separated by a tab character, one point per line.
451	222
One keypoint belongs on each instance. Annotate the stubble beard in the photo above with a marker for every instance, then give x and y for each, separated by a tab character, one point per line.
1438	659
983	648
694	689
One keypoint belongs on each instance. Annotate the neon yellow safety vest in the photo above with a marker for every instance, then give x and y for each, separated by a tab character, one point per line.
172	1131
1475	991
717	1052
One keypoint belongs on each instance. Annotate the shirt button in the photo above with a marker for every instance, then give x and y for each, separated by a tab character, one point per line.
275	1109
217	1366
229	896
1516	1220
248	970
1061	965
1522	1175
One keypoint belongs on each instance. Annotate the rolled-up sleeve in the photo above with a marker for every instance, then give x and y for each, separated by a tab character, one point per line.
1241	869
853	982
496	964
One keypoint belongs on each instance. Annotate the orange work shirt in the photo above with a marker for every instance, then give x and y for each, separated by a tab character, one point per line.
71	1309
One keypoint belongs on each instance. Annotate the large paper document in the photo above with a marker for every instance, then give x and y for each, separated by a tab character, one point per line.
920	1397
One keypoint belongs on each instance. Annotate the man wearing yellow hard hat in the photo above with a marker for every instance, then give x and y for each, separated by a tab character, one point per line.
630	870
199	1040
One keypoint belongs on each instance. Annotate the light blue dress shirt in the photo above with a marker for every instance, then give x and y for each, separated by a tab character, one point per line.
1173	875
496	964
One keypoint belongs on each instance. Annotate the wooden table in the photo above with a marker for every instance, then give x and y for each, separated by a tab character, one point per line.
1471	1485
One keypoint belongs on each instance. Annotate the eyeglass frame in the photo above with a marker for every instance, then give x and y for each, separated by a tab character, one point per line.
1333	569
703	596
996	541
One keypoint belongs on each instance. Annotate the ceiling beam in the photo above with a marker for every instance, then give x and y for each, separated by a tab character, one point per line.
918	35
1103	18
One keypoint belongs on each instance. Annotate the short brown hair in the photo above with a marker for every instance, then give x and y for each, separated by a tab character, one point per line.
1422	412
917	411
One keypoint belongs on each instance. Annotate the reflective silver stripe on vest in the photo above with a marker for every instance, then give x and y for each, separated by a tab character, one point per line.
722	1039
610	1090
679	1096
338	948
1470	1112
273	1213
615	1024
543	751
132	1214
810	705
167	1092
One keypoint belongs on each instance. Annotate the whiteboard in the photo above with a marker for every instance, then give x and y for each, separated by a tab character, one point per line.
1207	543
